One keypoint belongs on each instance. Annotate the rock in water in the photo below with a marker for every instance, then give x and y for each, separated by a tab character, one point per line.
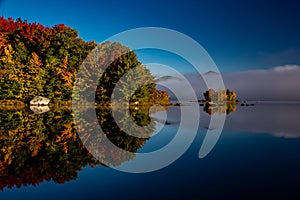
38	100
39	109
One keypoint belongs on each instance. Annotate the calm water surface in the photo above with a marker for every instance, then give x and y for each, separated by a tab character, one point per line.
257	155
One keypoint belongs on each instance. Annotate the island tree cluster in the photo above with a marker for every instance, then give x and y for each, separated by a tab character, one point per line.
219	96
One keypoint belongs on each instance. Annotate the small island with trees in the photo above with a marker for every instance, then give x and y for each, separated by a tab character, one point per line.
222	101
219	97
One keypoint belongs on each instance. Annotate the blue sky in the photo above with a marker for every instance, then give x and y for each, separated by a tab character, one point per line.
239	35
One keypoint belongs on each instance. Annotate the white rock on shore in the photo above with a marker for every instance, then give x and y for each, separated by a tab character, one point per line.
38	100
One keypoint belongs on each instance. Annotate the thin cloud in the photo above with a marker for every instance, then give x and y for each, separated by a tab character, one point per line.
286	68
167	78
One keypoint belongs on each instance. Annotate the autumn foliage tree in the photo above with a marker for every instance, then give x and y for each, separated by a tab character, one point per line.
111	71
38	60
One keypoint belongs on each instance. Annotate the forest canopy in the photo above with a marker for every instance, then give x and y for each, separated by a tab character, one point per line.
38	60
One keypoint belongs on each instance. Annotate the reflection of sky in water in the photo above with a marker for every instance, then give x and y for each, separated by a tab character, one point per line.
279	120
275	119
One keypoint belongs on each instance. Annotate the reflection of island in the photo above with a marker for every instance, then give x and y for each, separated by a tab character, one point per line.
220	109
36	148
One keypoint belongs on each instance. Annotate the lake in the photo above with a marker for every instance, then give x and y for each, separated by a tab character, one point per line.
51	156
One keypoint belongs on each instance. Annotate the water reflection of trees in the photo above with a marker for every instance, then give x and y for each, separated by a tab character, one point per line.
116	134
227	108
36	148
127	131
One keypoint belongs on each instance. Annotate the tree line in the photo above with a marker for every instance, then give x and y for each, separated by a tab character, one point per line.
38	60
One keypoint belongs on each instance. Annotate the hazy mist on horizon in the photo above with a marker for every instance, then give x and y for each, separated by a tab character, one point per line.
280	83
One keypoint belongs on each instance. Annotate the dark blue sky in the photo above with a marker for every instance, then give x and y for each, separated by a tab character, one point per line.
239	35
